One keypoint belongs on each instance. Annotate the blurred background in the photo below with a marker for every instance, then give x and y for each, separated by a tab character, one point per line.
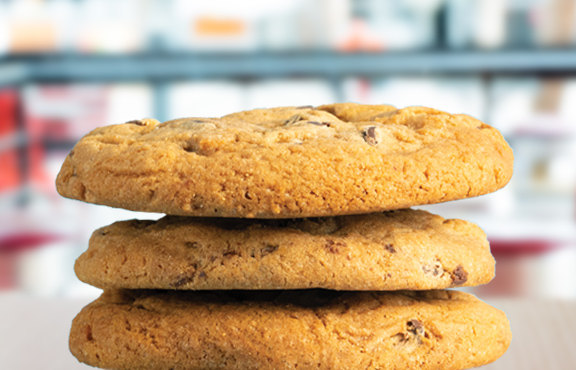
68	66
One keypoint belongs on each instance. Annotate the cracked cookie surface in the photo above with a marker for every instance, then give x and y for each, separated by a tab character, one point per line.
309	329
288	162
393	250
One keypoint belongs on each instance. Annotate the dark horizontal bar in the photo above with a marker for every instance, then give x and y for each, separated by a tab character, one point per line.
179	66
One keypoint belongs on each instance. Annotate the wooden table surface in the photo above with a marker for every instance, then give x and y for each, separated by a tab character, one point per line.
34	334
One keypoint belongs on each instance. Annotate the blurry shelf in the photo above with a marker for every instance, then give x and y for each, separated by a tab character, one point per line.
63	145
15	141
13	72
47	68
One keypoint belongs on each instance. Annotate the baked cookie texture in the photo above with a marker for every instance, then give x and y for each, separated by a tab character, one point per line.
311	329
393	250
288	162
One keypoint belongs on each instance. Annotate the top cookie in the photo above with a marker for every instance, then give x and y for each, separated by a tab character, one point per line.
288	162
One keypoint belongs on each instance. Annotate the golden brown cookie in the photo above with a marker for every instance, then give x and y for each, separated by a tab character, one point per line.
394	250
311	329
288	162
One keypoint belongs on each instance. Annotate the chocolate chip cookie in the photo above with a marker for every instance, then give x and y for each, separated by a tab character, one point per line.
394	250
288	162
310	329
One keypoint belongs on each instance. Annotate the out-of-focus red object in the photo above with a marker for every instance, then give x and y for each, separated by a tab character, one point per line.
9	162
520	246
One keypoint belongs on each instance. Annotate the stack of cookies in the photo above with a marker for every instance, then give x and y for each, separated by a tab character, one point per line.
289	242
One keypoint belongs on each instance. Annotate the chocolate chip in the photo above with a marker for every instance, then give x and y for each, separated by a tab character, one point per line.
319	123
269	249
415	327
434	269
334	247
412	336
103	232
459	276
370	135
137	122
197	121
231	254
89	335
292	120
331	247
390	248
182	280
202	274
71	154
192	245
305	107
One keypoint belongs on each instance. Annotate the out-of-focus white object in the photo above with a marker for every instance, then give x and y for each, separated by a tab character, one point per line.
476	23
490	23
205	99
277	93
454	95
46	270
4	30
108	26
403	25
566	106
127	102
512	102
34	332
321	24
556	275
277	31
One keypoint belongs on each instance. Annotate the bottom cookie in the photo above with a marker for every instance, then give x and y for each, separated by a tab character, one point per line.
307	329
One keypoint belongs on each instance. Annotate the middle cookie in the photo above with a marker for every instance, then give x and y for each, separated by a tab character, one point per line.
394	250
